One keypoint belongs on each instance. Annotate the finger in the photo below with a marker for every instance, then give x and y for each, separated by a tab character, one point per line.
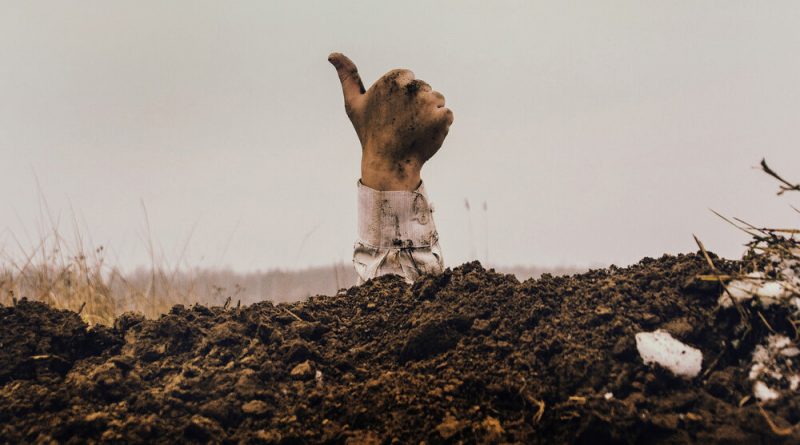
352	87
438	99
445	119
446	116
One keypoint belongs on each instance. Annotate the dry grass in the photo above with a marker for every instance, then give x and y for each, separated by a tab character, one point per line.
80	280
71	273
77	277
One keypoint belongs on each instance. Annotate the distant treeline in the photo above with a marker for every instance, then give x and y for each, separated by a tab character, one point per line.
100	294
215	286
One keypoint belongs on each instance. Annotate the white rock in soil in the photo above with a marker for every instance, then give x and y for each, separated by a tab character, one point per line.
660	347
778	342
772	365
740	290
763	392
768	293
794	382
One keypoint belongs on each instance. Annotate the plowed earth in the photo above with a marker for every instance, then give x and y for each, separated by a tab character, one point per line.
467	356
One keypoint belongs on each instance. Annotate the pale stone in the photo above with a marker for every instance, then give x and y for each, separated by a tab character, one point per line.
660	347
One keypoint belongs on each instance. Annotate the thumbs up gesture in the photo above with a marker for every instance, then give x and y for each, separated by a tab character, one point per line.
401	123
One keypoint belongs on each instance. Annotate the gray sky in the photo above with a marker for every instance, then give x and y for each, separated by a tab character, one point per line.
598	132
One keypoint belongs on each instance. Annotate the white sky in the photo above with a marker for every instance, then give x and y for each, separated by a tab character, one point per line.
598	132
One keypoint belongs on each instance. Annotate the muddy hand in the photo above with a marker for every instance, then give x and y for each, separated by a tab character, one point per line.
400	121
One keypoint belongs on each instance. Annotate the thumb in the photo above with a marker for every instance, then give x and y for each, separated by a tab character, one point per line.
352	87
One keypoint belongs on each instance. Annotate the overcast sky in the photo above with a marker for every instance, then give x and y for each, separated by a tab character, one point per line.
597	132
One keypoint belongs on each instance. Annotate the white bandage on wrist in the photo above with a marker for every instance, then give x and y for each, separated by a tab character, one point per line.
395	219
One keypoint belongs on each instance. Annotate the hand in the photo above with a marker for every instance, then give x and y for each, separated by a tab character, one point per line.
400	121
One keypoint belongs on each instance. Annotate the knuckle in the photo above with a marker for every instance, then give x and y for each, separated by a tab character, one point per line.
395	75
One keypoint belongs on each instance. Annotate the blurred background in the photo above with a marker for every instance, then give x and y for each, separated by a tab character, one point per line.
200	135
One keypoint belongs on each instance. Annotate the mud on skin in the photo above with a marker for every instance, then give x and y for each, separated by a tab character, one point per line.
467	356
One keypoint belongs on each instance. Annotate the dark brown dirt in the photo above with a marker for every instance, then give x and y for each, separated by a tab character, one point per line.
467	356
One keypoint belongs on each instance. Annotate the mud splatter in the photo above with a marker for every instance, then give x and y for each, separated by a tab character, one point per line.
413	87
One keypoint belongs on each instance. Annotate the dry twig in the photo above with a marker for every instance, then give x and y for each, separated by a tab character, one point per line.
742	312
775	428
713	365
764	320
734	224
540	412
787	186
292	314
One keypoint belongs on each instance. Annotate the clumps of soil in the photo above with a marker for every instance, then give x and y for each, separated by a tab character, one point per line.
38	341
468	356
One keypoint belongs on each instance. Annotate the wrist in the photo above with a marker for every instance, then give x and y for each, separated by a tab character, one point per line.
390	175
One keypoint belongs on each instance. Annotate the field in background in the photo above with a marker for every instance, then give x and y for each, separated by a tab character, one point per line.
81	281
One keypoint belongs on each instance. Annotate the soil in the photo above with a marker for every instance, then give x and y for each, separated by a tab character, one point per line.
468	356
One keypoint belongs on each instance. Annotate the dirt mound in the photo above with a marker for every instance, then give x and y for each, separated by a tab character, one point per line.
468	356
